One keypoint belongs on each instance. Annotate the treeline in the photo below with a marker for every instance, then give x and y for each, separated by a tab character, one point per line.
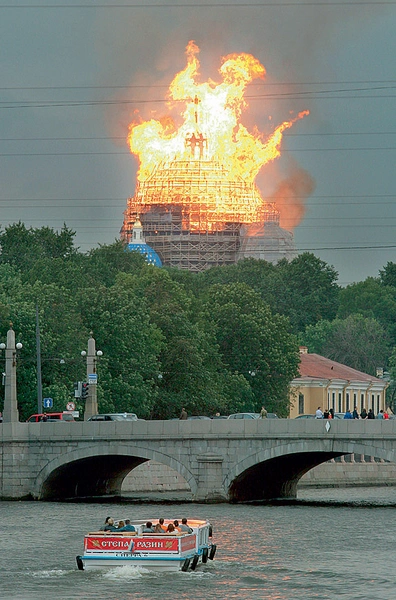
225	340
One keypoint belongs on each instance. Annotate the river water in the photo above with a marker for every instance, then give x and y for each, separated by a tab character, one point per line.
333	544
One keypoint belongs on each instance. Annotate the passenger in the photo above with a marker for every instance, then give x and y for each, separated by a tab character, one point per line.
176	524
380	414
121	525
185	527
105	523
370	414
127	526
158	529
326	414
161	522
110	526
355	414
386	415
363	414
170	528
149	527
331	415
348	414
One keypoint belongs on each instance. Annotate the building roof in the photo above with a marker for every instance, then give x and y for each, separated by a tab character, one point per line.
152	257
319	367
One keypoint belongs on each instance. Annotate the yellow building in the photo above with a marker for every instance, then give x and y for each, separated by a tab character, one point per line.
328	384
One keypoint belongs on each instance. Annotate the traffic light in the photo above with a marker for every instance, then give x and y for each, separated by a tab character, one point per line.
77	389
84	390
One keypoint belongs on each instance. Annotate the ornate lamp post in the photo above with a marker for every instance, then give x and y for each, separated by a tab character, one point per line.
91	402
10	412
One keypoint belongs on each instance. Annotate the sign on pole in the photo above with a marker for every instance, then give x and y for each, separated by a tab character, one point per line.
48	402
92	379
70	406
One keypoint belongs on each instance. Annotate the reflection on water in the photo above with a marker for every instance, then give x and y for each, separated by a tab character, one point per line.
295	552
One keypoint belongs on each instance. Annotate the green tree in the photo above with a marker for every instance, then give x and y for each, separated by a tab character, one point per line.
359	342
254	343
373	300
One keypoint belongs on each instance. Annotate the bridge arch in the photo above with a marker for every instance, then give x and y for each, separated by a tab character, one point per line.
98	470
275	472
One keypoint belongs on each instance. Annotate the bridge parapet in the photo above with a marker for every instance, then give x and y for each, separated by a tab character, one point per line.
38	459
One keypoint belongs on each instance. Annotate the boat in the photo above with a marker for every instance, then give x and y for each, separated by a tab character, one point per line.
176	551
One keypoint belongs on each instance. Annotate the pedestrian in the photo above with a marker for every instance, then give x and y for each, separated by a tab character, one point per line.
318	413
263	413
183	414
355	413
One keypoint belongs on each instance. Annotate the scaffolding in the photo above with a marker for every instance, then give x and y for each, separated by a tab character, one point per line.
192	212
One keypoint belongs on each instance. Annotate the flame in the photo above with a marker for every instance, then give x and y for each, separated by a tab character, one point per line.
209	133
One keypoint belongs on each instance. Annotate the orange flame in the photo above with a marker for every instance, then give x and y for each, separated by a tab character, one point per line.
210	129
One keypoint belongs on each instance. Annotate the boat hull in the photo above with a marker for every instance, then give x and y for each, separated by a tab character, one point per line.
89	563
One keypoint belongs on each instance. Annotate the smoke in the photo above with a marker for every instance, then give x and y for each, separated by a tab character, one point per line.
290	196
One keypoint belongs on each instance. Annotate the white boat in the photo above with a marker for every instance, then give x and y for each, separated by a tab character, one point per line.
176	551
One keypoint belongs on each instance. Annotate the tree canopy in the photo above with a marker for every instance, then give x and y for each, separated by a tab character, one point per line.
224	340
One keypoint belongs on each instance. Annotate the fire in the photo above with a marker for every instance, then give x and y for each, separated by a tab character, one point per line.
207	138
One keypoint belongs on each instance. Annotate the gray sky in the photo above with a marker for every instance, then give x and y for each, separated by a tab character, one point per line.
73	71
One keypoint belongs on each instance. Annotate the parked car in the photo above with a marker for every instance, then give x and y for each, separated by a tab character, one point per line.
55	416
249	415
309	416
114	417
198	417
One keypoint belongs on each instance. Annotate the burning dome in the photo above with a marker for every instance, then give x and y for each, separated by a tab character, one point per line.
196	182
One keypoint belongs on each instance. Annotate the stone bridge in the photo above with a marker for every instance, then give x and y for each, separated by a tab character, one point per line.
221	460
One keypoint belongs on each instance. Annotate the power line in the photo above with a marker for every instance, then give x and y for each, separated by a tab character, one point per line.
124	137
211	5
166	86
126	153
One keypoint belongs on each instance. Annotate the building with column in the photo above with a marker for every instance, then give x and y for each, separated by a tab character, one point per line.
329	384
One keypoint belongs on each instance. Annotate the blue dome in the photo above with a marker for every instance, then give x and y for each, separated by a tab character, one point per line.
152	257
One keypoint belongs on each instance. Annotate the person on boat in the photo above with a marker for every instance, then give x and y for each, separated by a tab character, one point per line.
326	414
331	413
185	527
158	529
355	413
183	415
263	413
370	414
149	527
110	525
348	414
120	525
176	524
161	522
170	528
105	523
318	413
363	414
127	526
